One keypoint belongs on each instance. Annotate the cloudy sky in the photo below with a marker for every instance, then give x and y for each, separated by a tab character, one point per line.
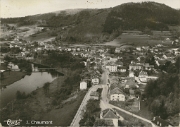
19	8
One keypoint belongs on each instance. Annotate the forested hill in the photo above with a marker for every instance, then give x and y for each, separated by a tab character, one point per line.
140	16
94	25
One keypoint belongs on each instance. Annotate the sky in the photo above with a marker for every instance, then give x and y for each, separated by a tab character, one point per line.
20	8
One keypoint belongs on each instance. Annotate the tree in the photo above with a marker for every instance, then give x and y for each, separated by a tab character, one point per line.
46	88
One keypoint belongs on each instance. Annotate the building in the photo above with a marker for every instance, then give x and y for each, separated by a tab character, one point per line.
134	66
112	68
117	50
138	48
109	114
13	67
117	95
143	76
131	74
148	67
83	85
95	81
122	69
160	122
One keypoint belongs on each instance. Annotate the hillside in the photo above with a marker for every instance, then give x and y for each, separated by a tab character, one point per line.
139	16
99	25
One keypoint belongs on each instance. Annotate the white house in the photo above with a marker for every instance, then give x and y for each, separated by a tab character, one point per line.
13	67
143	76
83	85
117	50
131	74
112	68
138	48
117	95
95	81
137	66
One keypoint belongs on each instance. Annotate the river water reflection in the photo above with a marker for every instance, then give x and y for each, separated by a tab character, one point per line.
27	84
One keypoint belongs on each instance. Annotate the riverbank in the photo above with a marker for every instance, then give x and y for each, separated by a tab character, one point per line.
10	77
39	106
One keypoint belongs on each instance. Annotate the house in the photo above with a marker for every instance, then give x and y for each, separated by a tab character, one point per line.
160	122
122	69
109	114
13	67
143	76
78	49
130	83
95	80
131	74
137	66
138	48
83	85
160	62
167	56
117	50
119	63
117	95
148	67
112	67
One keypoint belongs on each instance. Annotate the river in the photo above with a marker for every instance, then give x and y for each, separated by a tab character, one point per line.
27	84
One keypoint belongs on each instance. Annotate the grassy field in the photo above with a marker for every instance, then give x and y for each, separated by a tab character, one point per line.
65	115
43	36
144	112
11	77
132	121
134	40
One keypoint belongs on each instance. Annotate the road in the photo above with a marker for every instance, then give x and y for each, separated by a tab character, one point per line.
104	102
77	117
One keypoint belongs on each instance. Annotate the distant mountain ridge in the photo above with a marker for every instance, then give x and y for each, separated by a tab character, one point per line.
94	25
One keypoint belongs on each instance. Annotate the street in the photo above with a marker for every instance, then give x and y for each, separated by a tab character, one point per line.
104	102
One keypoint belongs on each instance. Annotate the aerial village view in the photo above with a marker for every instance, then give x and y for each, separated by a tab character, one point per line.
115	65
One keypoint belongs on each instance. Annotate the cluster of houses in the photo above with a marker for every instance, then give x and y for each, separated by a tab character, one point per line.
90	78
123	90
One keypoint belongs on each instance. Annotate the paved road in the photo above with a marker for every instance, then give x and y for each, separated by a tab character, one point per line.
77	117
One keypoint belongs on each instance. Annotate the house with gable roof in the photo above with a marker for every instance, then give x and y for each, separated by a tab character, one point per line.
109	114
117	94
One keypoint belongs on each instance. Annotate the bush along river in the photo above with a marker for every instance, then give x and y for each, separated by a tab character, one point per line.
28	84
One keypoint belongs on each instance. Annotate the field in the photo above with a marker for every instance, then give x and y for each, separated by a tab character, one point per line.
144	112
134	40
131	120
44	36
65	115
11	77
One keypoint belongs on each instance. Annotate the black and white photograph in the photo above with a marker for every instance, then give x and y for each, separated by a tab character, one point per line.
90	63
